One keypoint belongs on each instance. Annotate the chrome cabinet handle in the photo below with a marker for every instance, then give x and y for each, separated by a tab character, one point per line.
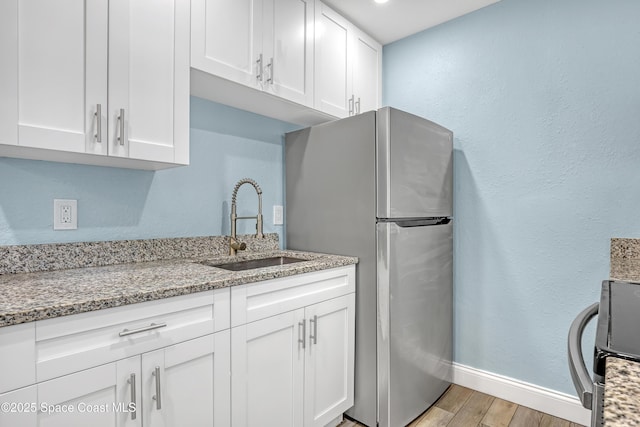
270	66
152	326
358	106
259	64
132	383
351	105
302	328
98	116
579	373
314	336
121	126
158	396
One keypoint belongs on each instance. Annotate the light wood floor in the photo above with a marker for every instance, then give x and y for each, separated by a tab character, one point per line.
463	407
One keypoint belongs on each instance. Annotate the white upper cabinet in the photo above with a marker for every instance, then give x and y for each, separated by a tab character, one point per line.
263	44
316	63
62	74
227	38
8	72
288	49
102	77
366	72
348	66
149	80
333	75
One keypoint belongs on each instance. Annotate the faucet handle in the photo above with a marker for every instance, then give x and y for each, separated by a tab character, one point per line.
236	245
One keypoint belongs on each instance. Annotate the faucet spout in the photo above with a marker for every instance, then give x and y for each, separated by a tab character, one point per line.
234	245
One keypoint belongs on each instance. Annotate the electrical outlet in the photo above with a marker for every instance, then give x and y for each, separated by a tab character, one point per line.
65	214
277	215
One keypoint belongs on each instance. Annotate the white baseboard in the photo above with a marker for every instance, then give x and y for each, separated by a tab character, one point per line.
558	404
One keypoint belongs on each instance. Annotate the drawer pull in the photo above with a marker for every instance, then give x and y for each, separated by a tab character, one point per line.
98	115
132	383
158	396
314	335
259	68
151	327
270	67
302	328
120	119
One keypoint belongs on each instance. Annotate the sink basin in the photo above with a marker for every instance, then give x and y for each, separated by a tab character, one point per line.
250	264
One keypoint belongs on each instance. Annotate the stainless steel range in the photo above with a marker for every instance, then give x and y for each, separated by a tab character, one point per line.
616	336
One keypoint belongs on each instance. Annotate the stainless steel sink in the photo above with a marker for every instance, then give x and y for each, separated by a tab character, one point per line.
250	264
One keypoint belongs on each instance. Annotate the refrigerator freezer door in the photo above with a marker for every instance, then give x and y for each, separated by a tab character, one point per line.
414	166
415	276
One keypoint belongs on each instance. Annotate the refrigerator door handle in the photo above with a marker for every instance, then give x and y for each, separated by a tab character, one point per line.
405	223
579	373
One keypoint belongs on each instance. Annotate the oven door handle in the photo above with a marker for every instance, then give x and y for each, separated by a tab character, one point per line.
579	373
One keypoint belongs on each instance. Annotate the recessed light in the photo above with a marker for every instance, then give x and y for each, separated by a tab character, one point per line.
381	1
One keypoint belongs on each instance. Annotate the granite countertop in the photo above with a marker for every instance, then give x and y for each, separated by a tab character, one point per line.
625	260
622	393
622	377
625	269
27	297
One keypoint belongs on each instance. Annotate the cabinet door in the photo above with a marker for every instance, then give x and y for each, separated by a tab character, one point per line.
17	372
9	72
288	49
268	367
22	408
332	66
367	63
149	79
188	384
128	403
76	400
227	38
329	365
61	74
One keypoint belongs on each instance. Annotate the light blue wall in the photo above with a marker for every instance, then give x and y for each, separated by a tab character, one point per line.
544	100
115	204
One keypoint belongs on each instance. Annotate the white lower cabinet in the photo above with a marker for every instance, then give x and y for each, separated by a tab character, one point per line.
295	368
184	384
273	353
268	370
329	360
188	384
19	407
80	399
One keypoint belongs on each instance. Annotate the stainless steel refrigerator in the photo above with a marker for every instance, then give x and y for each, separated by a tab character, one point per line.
379	186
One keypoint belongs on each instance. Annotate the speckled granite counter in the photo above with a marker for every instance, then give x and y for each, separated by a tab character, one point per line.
622	393
625	259
622	378
27	297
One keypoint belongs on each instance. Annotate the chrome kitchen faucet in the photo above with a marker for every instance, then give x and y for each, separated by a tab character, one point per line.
234	244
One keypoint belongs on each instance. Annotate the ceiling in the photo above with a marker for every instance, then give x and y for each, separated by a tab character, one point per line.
396	19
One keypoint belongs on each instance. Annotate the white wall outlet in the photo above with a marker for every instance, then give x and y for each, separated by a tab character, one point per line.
65	214
277	215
